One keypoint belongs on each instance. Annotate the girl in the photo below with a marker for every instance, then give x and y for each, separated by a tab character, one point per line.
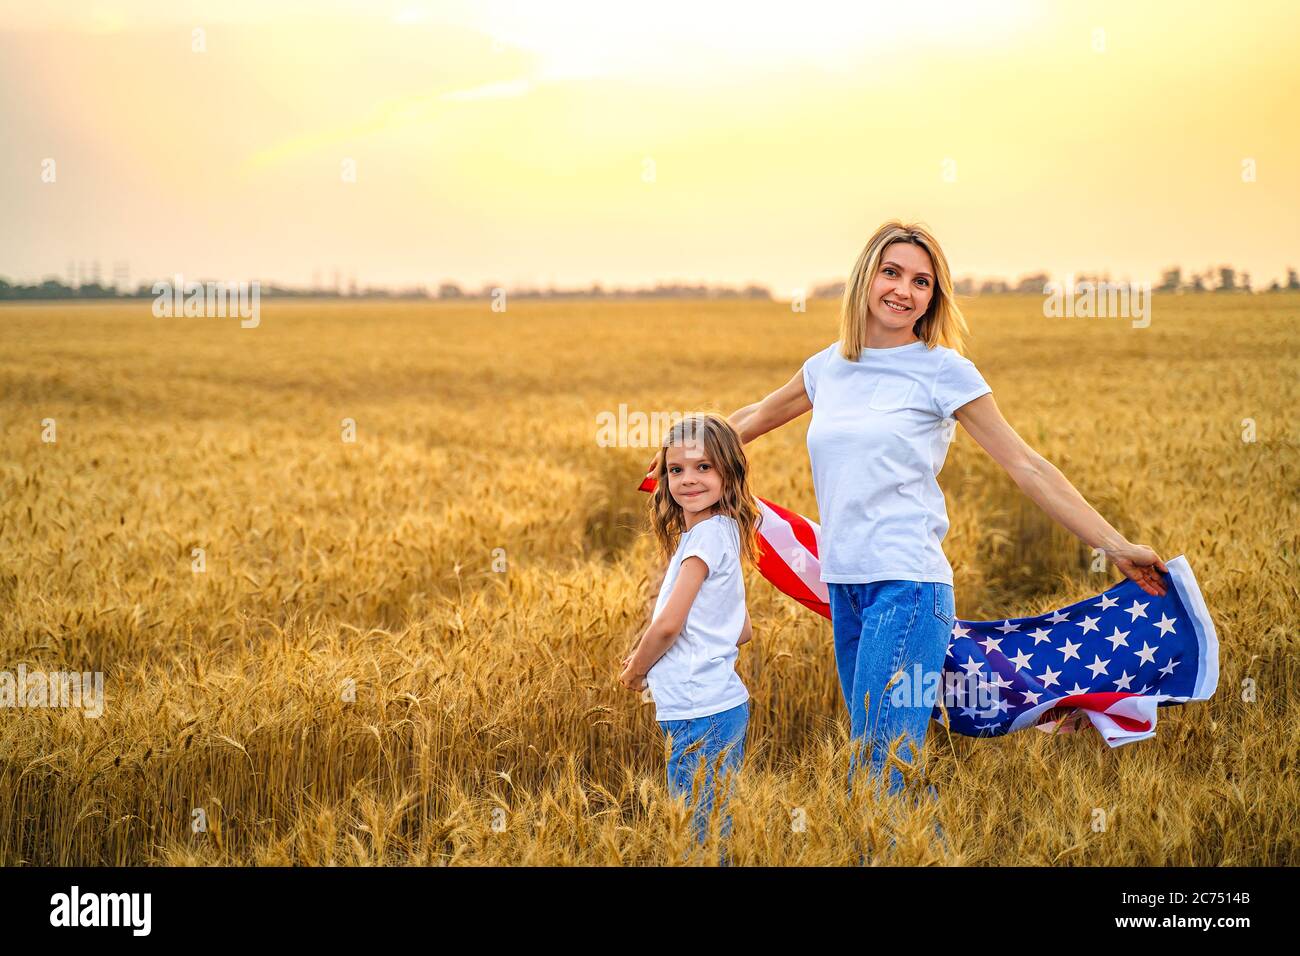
702	514
886	398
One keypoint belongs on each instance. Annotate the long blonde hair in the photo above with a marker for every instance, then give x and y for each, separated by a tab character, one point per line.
942	323
724	449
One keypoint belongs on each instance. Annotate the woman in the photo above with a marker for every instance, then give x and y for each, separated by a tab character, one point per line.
883	400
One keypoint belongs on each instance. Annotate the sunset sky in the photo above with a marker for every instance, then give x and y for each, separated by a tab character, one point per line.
571	142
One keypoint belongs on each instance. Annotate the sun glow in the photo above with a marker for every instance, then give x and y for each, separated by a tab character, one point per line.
585	38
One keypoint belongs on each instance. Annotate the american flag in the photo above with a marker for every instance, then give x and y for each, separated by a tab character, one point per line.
1112	658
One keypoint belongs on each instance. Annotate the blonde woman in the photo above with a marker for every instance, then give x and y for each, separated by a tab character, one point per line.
883	398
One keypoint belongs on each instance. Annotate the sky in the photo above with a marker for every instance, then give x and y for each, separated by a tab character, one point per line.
571	142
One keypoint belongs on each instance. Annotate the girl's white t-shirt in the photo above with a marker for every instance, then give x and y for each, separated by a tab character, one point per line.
878	438
697	675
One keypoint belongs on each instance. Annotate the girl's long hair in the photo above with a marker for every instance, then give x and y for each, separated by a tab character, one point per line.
942	323
722	447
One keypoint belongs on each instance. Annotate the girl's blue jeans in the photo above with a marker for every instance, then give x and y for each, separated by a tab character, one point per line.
882	628
721	740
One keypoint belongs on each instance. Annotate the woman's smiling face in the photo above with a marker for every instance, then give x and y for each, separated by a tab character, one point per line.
905	278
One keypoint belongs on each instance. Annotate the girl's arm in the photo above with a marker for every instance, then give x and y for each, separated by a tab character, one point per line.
1050	490
747	633
663	630
785	404
656	584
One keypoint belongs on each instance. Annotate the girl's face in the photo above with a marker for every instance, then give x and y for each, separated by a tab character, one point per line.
905	279
693	480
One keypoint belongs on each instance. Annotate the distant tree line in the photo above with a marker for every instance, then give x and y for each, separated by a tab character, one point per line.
1220	279
56	289
449	290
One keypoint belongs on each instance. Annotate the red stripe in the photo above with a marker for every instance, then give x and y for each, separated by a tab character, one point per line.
773	567
1128	723
1094	701
649	482
803	532
1101	701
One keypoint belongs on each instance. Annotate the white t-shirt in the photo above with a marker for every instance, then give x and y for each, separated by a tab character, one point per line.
879	435
697	675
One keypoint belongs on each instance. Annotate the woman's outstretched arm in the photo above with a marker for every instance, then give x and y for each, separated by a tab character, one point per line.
1050	490
785	404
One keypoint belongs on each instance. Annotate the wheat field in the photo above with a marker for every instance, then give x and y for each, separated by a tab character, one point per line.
403	649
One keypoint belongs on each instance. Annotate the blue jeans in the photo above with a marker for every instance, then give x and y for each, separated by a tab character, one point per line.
721	747
881	628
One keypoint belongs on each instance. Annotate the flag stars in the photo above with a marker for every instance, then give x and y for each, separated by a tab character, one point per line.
1049	677
1118	638
1137	610
1098	666
1101	652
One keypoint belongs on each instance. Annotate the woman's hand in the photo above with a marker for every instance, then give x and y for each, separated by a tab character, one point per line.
630	679
1139	563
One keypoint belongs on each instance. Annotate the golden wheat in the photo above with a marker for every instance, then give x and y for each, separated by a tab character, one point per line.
403	649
